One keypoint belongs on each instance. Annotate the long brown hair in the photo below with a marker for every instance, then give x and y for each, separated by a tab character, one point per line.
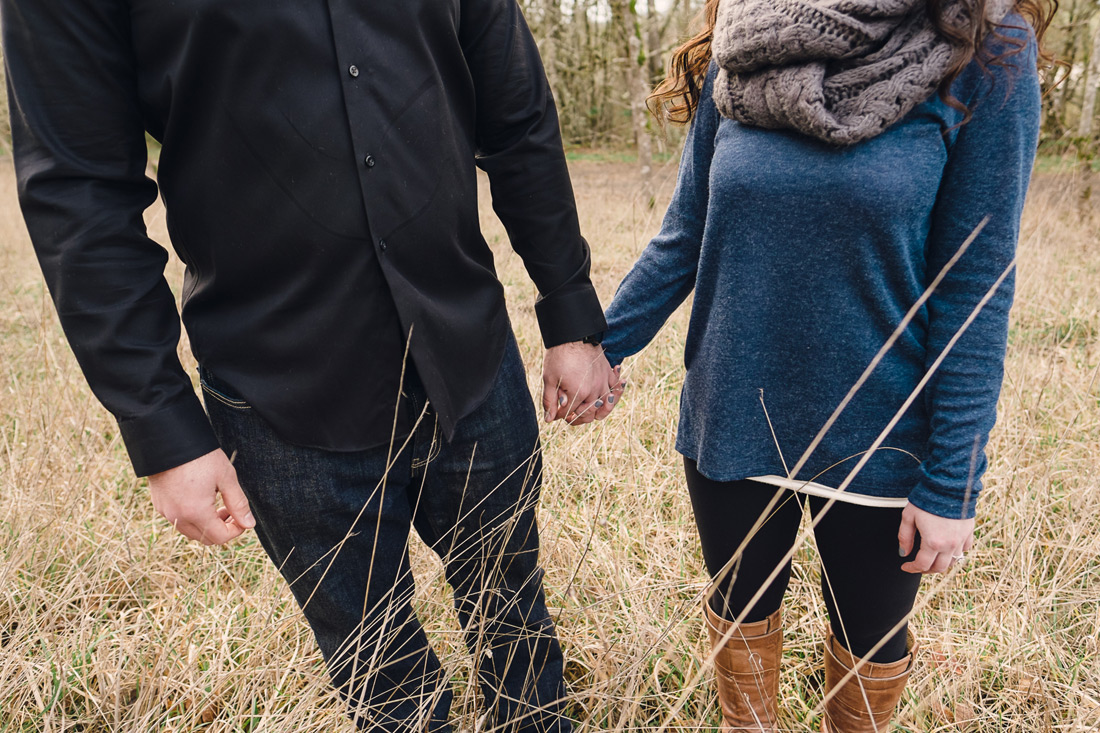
677	97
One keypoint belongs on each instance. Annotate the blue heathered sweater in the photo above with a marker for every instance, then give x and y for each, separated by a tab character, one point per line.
805	258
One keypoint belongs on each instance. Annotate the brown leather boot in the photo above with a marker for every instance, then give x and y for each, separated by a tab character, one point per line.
747	668
866	701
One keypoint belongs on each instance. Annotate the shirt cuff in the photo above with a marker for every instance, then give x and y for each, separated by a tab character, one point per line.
945	502
168	438
569	314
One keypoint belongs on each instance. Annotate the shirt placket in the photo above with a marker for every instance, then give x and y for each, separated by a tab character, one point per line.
354	67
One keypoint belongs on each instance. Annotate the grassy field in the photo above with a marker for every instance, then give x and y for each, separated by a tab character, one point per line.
110	621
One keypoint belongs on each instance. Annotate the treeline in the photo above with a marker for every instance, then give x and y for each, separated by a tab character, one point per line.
603	57
1072	116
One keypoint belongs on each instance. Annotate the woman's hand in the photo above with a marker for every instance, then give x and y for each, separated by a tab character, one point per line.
578	385
943	542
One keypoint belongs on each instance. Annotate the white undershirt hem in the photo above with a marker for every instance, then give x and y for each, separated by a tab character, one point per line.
827	492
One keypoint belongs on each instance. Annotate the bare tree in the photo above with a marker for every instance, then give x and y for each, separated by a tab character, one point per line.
603	57
1091	85
628	23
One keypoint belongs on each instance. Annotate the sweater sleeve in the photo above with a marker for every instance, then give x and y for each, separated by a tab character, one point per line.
664	275
985	179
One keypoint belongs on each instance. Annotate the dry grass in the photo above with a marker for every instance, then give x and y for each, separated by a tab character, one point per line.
109	621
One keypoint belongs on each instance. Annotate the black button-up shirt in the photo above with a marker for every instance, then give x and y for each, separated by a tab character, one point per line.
318	175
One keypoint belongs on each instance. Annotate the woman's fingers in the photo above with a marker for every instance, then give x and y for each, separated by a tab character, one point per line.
585	412
922	563
907	533
611	397
573	381
591	397
942	564
579	387
929	561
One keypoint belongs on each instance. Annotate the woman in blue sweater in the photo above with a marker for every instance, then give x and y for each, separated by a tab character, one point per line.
847	211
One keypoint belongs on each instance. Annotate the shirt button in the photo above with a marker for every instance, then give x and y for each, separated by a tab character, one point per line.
382	244
369	161
353	70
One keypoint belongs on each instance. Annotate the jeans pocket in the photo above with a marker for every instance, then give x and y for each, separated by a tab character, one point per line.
218	390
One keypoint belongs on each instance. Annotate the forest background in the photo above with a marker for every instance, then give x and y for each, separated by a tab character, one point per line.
604	57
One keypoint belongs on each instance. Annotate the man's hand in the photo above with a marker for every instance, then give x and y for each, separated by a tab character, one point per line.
187	496
578	384
943	542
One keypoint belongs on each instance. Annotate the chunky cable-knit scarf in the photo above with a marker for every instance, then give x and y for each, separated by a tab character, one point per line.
838	70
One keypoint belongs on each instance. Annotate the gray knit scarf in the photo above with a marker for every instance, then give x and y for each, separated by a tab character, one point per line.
841	71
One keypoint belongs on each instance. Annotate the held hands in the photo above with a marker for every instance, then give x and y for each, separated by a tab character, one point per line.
943	542
187	497
578	384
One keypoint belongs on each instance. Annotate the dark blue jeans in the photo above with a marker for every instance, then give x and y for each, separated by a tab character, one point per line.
337	527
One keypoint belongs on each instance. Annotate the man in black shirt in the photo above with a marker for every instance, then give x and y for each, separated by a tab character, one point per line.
317	169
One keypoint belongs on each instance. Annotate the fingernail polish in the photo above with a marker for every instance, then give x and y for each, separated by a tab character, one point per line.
598	404
901	552
618	368
562	400
611	399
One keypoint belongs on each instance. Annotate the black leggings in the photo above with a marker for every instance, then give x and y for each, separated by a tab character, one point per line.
865	590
